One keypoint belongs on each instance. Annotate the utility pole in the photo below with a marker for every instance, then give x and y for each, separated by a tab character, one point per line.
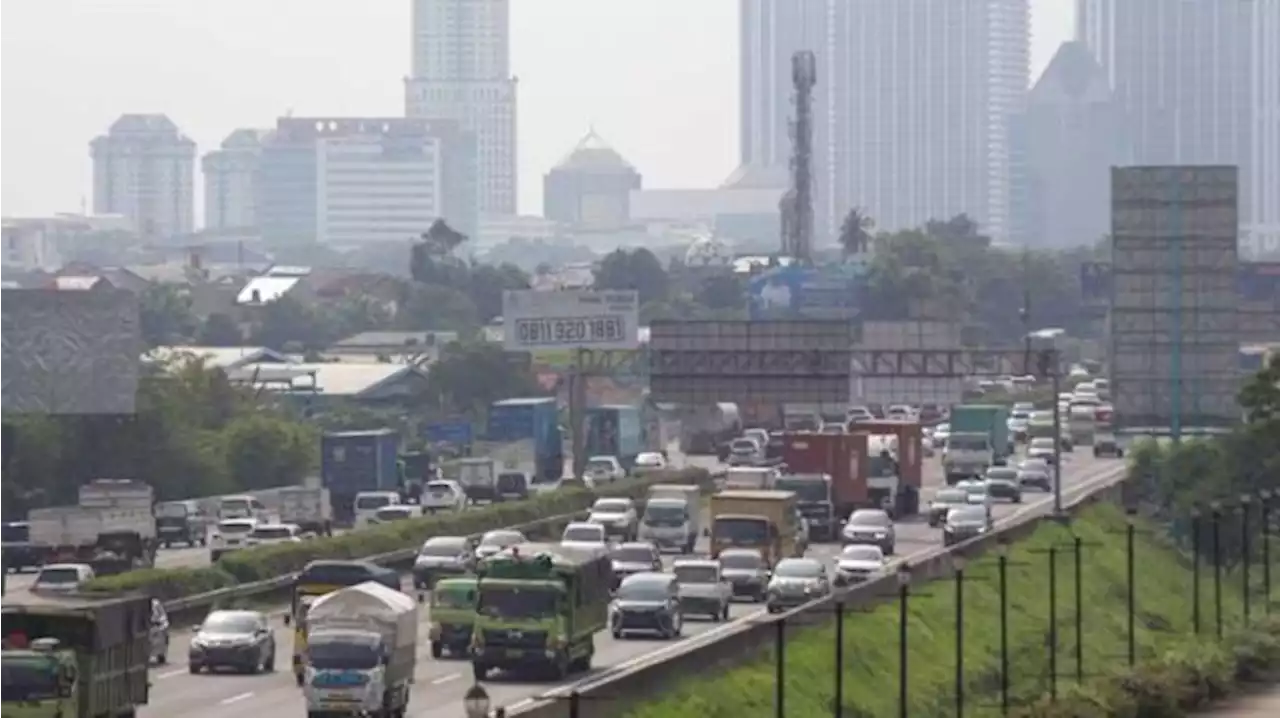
797	224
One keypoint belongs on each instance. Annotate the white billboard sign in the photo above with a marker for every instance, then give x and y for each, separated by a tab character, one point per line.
534	320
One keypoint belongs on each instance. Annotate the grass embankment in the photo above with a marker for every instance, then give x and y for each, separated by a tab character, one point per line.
1164	621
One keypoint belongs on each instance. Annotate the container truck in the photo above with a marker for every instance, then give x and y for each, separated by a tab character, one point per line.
536	419
84	658
539	606
895	458
617	431
843	457
112	528
362	648
478	474
352	462
309	507
979	440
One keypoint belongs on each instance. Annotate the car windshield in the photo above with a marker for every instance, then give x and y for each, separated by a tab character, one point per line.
644	589
695	573
1035	465
869	518
272	532
950	496
1002	474
968	515
862	553
516	603
1016	414
342	652
666	514
649	460
806	488
590	534
230	623
631	554
744	445
58	575
368	503
453	597
501	538
171	511
968	443
434	547
741	561
439	487
235	527
599	465
973	487
510	481
611	506
30	677
798	568
745	530
235	506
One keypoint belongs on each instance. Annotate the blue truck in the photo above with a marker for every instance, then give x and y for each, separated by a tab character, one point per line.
617	430
536	419
356	461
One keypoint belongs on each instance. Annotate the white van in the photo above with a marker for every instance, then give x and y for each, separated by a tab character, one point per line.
368	503
670	522
242	507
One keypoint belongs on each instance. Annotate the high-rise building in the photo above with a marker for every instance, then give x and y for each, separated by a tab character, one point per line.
913	108
144	169
231	181
346	181
1069	138
591	187
1191	79
1264	179
462	72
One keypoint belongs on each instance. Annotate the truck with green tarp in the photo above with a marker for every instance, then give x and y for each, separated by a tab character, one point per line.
453	615
538	608
979	440
75	657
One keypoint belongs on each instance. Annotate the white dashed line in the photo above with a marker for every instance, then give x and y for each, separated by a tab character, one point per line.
171	674
446	679
235	699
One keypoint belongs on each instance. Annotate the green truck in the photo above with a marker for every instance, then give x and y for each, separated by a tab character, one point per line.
538	608
979	440
453	615
75	658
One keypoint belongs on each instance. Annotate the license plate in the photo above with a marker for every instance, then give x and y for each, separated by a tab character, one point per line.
514	653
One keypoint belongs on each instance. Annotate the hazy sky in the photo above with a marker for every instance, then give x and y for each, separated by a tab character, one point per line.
657	78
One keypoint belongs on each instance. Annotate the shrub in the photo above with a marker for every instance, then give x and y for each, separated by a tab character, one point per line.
267	562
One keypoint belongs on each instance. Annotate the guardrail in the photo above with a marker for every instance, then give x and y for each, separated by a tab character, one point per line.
192	609
613	691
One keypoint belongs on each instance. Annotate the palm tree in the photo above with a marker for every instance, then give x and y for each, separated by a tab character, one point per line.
855	232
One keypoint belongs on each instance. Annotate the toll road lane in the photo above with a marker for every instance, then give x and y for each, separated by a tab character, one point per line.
440	684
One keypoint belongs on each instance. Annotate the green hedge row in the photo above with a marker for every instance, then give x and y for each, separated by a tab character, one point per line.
1180	682
266	562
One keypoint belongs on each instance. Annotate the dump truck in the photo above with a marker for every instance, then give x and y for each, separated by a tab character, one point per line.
539	606
77	657
363	637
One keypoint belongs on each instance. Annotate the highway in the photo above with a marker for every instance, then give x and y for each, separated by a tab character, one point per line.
440	684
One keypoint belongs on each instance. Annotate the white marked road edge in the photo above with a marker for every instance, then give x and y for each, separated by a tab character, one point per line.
446	679
172	674
1091	479
236	698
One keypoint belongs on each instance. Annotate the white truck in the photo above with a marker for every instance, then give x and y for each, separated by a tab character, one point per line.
478	474
750	478
672	517
307	507
112	528
362	647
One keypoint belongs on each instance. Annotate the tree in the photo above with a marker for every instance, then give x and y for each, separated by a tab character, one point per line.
637	269
287	320
855	233
164	312
219	330
438	307
471	375
1261	395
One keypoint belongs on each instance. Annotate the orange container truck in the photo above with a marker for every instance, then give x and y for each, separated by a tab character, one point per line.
896	463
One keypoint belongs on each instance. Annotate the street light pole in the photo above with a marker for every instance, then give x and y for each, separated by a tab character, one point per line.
1195	569
1216	538
1266	550
1244	554
1003	567
958	564
839	677
1131	599
1052	363
904	594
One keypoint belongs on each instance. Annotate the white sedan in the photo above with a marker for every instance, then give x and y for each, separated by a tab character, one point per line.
650	462
858	562
605	469
443	496
267	534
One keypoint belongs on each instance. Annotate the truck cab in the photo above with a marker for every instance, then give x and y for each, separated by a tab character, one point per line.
19	552
762	520
815	503
242	507
967	455
367	504
181	522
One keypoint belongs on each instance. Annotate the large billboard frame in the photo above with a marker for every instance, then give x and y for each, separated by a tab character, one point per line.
534	320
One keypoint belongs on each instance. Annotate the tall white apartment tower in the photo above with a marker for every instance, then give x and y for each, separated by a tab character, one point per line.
144	169
462	72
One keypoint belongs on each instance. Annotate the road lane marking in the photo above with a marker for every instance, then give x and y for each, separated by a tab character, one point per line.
235	699
446	679
171	674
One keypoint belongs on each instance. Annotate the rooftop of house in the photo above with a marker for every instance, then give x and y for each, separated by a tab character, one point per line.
328	379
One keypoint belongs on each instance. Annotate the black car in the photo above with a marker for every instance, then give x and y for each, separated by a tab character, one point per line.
1002	483
1107	446
240	640
746	570
19	552
966	522
647	603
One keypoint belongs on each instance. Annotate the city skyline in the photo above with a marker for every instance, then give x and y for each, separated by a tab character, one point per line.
560	97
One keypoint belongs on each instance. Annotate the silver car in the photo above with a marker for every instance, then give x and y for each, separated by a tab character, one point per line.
747	572
795	582
703	588
442	556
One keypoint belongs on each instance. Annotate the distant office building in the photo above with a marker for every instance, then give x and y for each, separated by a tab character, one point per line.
914	104
1070	136
144	169
1198	83
347	181
462	72
591	187
231	181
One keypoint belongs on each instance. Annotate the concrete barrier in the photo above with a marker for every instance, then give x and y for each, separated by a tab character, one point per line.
614	690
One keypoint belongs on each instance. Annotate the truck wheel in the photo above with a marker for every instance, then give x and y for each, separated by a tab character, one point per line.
437	649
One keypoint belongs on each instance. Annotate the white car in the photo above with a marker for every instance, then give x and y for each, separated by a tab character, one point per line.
581	533
230	535
62	578
443	496
941	434
858	562
605	469
398	512
497	541
266	534
650	462
975	491
617	516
